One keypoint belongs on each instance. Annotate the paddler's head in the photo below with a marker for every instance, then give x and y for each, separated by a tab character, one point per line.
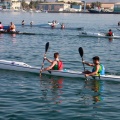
96	60
11	23
0	23
56	55
110	30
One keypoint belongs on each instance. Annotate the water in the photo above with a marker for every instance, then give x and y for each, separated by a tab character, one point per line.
25	96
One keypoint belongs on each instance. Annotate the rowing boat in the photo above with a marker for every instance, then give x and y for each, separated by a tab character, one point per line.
21	66
98	35
16	32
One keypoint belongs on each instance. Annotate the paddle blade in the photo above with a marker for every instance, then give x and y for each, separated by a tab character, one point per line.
81	51
46	47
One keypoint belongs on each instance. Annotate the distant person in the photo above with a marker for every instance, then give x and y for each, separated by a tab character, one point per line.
53	25
110	33
12	27
1	26
98	69
31	23
118	23
56	64
23	22
62	26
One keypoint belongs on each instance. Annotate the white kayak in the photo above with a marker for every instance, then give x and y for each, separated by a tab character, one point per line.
50	23
23	67
98	35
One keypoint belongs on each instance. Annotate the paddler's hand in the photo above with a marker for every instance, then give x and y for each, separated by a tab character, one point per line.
45	58
83	62
86	75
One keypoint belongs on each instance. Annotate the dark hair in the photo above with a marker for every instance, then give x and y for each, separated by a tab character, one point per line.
110	30
0	22
56	55
96	58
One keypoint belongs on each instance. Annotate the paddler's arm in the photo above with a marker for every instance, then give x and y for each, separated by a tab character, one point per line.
50	61
93	73
89	64
50	67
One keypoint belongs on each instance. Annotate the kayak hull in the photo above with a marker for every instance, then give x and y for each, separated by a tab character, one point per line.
23	67
97	35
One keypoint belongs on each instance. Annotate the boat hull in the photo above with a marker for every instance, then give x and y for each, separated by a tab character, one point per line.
23	67
97	35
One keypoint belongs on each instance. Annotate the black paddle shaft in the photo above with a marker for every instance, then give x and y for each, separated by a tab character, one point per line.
46	49
81	54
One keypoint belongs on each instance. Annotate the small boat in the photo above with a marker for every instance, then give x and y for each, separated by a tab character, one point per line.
16	32
23	67
50	23
98	35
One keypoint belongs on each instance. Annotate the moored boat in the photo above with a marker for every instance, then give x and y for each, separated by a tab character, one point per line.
21	66
98	35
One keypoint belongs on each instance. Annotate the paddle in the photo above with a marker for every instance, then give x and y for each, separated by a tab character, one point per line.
81	54
46	49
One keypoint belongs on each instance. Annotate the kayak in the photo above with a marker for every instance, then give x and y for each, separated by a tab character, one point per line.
50	23
23	67
98	35
16	32
66	28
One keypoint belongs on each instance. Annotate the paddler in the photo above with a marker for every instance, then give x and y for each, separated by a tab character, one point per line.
62	26
12	27
110	33
118	23
98	69
31	23
23	22
1	27
56	64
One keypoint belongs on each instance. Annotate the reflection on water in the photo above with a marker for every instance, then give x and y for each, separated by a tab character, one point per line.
51	89
92	90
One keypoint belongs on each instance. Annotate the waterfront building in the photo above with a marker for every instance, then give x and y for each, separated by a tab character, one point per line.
77	7
10	4
71	1
53	6
117	7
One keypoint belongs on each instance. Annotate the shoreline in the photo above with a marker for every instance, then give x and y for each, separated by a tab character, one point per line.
83	12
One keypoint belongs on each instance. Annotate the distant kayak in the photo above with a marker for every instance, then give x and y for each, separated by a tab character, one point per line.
50	23
17	32
98	35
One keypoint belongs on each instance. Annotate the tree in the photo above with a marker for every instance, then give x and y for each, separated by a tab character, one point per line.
95	4
24	4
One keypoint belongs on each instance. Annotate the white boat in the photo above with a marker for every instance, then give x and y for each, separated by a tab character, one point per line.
98	35
50	23
21	66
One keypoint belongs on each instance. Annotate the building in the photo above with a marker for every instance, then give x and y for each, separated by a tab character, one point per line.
107	5
66	1
53	6
15	5
77	7
10	4
117	7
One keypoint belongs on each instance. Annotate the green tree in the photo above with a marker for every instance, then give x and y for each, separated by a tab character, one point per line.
95	4
24	4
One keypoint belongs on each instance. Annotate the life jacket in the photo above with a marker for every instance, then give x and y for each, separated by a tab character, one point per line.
110	34
58	66
101	70
1	26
